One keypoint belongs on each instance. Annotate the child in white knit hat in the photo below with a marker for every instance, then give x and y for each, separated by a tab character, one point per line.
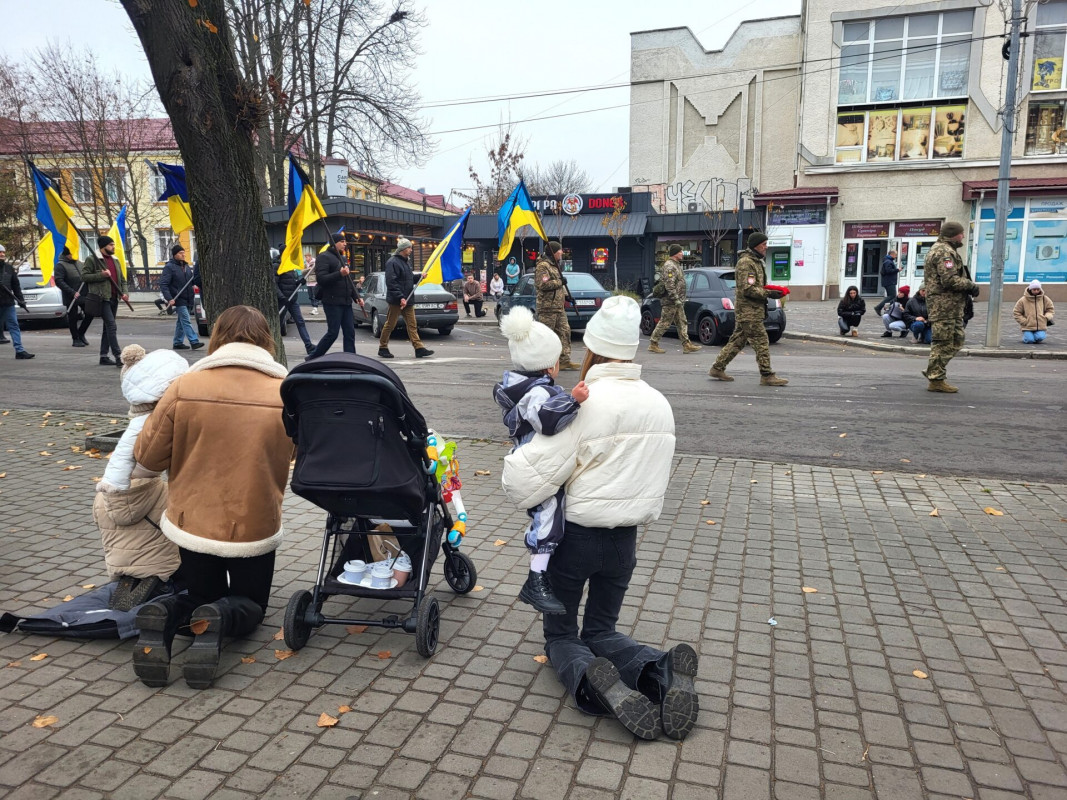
532	403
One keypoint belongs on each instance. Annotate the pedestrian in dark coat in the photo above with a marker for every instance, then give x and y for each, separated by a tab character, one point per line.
68	278
917	318
889	273
287	285
850	311
107	286
338	294
176	283
10	295
399	294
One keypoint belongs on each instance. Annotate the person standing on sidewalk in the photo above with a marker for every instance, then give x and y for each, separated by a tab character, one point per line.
751	310
227	522
176	283
69	280
672	304
338	295
889	273
312	281
551	289
10	296
400	294
512	272
1034	312
947	287
613	463
106	288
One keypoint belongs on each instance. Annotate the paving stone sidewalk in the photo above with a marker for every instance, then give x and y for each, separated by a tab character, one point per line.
930	662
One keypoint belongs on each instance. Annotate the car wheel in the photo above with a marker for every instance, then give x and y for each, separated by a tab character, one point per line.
707	329
774	337
648	322
445	331
375	324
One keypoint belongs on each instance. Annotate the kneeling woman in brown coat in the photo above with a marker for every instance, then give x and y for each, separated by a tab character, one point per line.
218	432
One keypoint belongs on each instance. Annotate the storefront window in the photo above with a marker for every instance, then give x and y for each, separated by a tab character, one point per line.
909	134
1046	134
1050	43
692	255
1036	241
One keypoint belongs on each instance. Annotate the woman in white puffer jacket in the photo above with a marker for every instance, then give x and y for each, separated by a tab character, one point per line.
127	509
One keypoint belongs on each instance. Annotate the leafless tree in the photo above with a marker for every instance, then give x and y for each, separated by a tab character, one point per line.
18	228
615	224
558	178
505	157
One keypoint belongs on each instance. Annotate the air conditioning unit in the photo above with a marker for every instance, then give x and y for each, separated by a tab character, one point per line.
1048	252
693	207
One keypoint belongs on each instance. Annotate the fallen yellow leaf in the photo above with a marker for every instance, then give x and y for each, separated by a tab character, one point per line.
343	709
842	435
753	481
88	585
705	502
39	657
477	589
248	660
3	474
62	461
923	475
905	461
44	722
384	654
542	659
482	472
14	664
993	512
709	521
70	467
61	487
808	590
326	721
45	453
935	513
112	422
876	472
279	635
1000	569
198	627
147	650
918	673
500	542
281	655
356	628
68	598
47	414
193	3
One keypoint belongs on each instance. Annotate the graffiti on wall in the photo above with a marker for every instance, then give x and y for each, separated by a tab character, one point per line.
706	195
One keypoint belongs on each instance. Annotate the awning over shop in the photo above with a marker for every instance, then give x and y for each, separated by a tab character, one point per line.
798	196
1021	187
591	225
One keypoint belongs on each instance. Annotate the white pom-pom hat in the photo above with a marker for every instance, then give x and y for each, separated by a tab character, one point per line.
533	345
615	330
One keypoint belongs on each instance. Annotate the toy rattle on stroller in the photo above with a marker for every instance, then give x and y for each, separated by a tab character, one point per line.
444	464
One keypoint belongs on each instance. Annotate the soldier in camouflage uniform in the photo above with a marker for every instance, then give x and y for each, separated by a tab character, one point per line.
672	304
749	313
947	287
551	293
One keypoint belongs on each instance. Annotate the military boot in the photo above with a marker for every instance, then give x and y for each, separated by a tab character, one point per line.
772	380
719	374
569	366
689	347
653	347
941	386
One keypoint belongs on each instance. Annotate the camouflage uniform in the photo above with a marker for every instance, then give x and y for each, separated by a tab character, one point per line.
548	280
672	304
947	288
750	311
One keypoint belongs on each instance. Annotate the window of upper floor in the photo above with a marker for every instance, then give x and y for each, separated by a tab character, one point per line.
114	185
165	239
908	134
921	57
81	183
1050	45
1046	128
158	185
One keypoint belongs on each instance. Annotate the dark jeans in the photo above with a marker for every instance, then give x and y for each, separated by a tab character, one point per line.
109	335
338	318
922	331
846	321
890	296
206	579
477	307
605	558
78	321
292	308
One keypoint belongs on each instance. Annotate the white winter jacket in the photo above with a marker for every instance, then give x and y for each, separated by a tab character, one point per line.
614	459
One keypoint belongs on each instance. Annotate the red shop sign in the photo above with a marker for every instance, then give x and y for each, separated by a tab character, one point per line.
866	230
921	228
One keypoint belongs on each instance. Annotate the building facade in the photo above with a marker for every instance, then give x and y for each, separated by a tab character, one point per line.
893	129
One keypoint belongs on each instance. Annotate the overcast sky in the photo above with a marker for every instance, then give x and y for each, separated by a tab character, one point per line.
472	48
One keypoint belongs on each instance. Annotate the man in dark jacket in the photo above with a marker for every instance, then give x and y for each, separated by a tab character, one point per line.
69	280
176	283
917	318
10	295
286	286
399	294
338	294
889	272
107	284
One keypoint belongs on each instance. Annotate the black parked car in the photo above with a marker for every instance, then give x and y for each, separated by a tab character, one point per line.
584	288
709	307
435	307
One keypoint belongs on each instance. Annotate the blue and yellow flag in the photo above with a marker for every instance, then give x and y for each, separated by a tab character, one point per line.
516	212
56	216
177	196
46	258
446	261
117	231
304	209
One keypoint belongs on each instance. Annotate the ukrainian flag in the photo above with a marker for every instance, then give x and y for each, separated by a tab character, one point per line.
177	196
46	258
57	217
304	209
446	261
118	233
516	212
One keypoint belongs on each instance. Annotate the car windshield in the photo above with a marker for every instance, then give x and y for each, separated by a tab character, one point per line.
30	281
583	282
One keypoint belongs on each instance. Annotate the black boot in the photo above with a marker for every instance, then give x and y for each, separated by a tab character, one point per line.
537	591
227	616
158	622
639	714
681	704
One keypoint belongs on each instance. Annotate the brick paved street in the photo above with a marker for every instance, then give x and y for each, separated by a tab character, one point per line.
827	703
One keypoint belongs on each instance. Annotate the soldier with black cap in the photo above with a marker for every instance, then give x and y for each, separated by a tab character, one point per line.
749	313
672	303
948	285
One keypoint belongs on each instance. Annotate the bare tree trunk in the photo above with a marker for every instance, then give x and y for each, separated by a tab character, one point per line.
213	114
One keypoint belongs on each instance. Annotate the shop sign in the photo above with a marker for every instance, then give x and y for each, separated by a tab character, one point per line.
917	229
866	230
581	203
797	215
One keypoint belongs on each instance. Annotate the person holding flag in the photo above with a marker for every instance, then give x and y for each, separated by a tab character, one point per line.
10	295
107	285
176	283
68	278
338	294
399	293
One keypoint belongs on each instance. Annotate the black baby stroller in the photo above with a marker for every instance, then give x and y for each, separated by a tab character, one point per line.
361	457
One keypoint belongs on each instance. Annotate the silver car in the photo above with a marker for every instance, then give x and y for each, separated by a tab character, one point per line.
43	303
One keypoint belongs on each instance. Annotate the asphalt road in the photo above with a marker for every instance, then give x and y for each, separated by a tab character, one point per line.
843	406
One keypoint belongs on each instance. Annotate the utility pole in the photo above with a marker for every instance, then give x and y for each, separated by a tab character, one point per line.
1007	138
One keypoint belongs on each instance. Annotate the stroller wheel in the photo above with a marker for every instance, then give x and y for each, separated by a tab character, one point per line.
428	627
296	628
460	572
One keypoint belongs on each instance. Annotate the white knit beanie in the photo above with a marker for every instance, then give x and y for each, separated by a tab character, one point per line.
1035	284
615	330
533	345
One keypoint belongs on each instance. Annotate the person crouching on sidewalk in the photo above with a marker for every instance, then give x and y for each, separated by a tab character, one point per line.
1034	312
